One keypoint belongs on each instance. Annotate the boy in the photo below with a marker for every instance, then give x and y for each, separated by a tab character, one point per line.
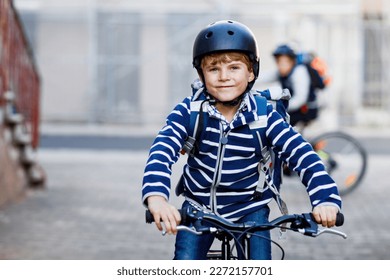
303	106
222	174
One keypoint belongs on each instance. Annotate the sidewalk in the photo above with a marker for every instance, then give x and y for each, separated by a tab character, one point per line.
92	209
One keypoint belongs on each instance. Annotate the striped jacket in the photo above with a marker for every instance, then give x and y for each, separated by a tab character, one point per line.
223	175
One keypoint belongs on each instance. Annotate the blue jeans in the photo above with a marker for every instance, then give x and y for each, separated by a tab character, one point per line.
189	246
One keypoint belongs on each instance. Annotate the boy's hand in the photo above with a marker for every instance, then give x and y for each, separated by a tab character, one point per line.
325	215
165	212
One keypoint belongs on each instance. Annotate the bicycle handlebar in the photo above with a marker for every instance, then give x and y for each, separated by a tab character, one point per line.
303	223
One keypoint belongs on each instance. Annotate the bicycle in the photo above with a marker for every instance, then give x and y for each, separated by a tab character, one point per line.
344	157
207	222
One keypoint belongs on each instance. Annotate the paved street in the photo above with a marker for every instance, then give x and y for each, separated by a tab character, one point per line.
91	209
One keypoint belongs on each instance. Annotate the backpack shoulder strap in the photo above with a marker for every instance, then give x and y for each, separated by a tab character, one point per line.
261	105
261	111
269	165
195	105
258	131
197	121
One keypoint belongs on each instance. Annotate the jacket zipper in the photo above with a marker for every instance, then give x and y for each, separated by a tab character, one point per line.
218	170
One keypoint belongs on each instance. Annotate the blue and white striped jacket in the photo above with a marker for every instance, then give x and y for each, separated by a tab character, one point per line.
223	175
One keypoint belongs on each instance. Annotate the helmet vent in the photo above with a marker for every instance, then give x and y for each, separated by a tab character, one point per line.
230	32
209	34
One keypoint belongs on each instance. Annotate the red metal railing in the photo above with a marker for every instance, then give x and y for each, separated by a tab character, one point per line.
18	71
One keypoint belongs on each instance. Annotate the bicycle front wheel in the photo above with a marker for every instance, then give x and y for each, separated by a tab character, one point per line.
344	157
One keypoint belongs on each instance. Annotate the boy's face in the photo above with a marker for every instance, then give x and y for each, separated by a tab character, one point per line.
285	64
226	80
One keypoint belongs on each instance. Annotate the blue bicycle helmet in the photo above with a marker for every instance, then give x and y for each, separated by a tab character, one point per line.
284	50
226	35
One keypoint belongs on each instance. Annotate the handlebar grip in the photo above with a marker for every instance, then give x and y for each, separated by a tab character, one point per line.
149	217
339	219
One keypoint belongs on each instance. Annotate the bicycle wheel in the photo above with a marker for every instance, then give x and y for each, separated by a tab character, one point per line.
344	157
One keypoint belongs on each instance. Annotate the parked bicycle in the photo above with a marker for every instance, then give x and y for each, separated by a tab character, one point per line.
200	222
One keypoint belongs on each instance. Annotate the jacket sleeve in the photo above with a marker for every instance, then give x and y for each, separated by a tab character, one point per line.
165	152
300	157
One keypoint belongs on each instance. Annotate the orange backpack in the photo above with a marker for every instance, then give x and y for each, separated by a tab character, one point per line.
317	68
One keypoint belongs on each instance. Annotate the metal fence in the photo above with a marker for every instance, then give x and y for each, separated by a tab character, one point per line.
18	72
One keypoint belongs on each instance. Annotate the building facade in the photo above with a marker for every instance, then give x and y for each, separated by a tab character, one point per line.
129	62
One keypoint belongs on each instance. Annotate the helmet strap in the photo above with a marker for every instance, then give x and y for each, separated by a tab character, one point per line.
233	102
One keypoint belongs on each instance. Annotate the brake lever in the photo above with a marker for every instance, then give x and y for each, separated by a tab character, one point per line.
183	228
331	231
317	231
309	227
191	230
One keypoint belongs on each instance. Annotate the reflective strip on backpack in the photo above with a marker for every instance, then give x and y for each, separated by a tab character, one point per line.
261	122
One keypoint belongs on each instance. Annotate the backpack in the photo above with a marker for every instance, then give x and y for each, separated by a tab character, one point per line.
317	68
270	166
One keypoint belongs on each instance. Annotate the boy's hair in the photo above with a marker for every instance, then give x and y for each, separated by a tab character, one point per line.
226	57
